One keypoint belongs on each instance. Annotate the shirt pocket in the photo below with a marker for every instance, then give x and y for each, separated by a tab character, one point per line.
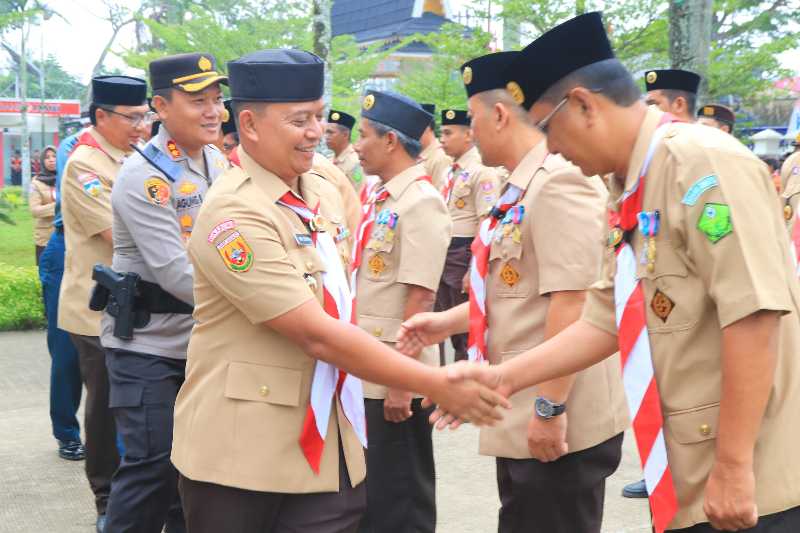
674	300
461	193
382	328
509	279
691	426
263	383
378	262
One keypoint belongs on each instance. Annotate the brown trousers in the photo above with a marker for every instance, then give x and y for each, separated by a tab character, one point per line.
450	293
783	522
102	455
564	496
212	508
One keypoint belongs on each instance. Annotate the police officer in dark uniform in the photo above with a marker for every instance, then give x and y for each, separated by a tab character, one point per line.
157	197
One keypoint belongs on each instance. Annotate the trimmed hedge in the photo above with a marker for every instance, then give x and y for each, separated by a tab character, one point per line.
21	304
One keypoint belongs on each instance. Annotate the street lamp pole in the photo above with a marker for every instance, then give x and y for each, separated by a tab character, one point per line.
26	146
41	81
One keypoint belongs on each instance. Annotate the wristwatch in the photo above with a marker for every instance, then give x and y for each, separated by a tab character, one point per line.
546	409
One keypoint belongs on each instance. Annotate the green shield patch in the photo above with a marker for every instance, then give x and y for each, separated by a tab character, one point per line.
715	222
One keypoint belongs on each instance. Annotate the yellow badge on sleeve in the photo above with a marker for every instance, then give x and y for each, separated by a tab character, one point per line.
157	191
235	252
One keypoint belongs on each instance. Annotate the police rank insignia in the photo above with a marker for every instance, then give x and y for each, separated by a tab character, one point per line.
715	221
157	191
204	63
376	264
235	252
172	148
662	305
91	184
509	275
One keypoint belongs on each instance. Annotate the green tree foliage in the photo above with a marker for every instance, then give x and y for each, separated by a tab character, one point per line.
438	80
58	83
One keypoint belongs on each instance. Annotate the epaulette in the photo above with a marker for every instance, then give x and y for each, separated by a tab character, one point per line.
160	161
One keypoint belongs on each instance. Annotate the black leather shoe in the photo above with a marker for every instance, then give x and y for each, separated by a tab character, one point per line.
635	490
101	523
71	450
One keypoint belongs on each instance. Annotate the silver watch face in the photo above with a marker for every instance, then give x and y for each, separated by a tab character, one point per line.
544	408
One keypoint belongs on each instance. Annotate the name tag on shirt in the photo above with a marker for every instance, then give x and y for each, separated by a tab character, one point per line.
303	239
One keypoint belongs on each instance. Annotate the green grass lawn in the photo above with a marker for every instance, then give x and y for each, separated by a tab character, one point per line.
16	242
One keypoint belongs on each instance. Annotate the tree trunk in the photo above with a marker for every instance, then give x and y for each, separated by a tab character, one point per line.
690	37
321	24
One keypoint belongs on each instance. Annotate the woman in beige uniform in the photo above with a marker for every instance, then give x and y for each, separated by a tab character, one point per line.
42	200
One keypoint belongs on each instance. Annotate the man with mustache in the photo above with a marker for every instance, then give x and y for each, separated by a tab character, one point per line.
161	188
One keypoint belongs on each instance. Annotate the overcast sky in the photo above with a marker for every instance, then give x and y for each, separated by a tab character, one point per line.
78	41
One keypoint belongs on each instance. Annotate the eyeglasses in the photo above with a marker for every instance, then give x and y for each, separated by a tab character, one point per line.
135	120
543	124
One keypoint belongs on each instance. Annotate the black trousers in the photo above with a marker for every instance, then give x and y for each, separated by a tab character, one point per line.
144	491
212	508
450	294
783	522
563	496
102	456
401	477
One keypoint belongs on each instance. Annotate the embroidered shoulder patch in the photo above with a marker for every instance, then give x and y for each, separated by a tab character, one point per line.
225	225
235	252
91	184
715	221
698	188
157	191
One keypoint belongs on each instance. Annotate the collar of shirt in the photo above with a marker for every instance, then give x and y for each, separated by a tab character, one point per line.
163	137
646	131
469	159
341	158
112	151
273	186
428	152
398	184
529	166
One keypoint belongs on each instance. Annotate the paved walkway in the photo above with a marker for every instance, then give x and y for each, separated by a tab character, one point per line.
40	493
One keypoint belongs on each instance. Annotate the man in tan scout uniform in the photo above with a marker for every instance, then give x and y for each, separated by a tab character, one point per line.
119	118
352	205
256	449
403	253
673	91
338	132
470	191
718	292
790	170
432	157
563	438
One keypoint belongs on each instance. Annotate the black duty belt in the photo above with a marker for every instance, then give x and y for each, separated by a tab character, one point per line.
151	297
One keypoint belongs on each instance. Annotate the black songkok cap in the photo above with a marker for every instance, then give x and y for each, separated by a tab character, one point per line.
455	117
486	73
718	112
396	111
188	72
277	75
118	90
430	108
228	125
341	118
672	80
561	51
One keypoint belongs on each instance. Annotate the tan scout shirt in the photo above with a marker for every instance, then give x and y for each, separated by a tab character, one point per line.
790	195
790	170
474	193
348	163
708	274
352	204
412	254
86	209
436	163
560	249
42	203
239	415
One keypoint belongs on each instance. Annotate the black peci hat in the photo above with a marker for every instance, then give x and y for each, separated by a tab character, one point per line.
561	51
188	72
396	111
718	112
118	90
277	75
341	118
229	124
672	79
455	117
486	73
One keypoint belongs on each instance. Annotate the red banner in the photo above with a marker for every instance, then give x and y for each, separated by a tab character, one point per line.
51	108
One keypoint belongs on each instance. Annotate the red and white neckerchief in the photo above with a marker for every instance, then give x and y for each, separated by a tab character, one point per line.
371	184
478	338
450	181
328	380
638	375
85	138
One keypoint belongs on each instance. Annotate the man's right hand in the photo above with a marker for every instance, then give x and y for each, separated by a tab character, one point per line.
421	330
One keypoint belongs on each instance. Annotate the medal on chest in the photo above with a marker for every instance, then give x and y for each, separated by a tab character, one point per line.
649	225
